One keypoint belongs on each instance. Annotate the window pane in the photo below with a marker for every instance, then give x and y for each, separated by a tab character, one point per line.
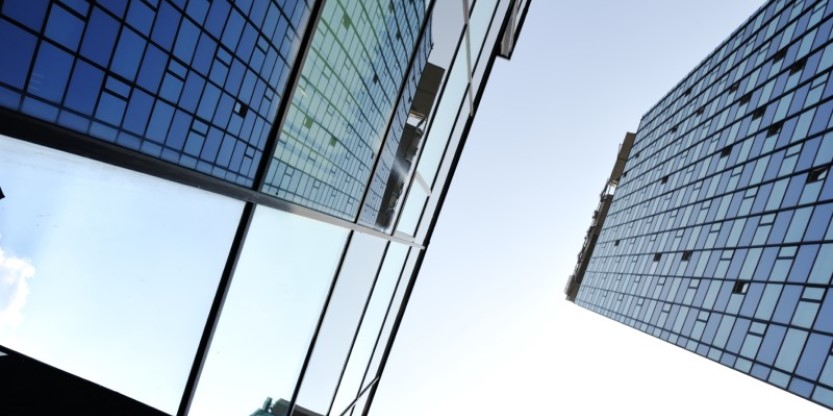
371	323
337	333
275	300
390	318
100	264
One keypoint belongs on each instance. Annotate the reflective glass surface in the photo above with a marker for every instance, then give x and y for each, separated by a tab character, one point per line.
345	97
274	303
338	330
98	263
390	317
371	324
196	84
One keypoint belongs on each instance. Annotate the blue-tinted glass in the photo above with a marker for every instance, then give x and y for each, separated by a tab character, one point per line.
110	109
138	112
164	29
100	37
50	73
18	48
128	54
814	355
28	12
64	28
140	16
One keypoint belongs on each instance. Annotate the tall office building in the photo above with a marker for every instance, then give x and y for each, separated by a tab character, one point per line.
718	237
221	208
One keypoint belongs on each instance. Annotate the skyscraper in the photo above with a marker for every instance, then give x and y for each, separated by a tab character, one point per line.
216	207
714	231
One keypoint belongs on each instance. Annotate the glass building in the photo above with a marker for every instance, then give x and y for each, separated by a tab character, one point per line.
221	208
714	231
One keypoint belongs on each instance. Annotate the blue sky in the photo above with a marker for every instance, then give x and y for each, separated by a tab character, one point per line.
488	330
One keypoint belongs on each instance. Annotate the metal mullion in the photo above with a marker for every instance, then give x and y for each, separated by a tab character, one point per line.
435	217
359	326
314	340
392	116
360	394
216	309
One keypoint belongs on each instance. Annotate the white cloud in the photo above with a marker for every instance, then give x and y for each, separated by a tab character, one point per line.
14	289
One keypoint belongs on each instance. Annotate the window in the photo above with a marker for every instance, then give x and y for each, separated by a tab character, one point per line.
657	257
726	151
779	55
687	92
664	179
741	287
758	113
815	175
616	243
798	66
774	129
687	255
241	109
734	87
746	98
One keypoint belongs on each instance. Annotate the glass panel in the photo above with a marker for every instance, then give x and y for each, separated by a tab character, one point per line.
338	330
371	323
342	104
486	50
390	318
198	86
275	300
404	138
413	210
455	89
454	143
443	120
99	263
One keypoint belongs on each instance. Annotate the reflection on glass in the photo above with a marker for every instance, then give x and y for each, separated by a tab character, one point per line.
346	94
444	118
371	323
442	174
480	56
338	329
100	271
413	210
455	89
390	318
196	85
275	300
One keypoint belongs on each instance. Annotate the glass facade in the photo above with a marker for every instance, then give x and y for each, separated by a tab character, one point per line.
343	102
196	84
719	235
151	256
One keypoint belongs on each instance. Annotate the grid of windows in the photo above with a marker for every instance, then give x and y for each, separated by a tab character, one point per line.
343	102
196	84
719	237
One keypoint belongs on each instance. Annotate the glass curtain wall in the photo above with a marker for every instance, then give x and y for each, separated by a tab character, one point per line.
226	301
